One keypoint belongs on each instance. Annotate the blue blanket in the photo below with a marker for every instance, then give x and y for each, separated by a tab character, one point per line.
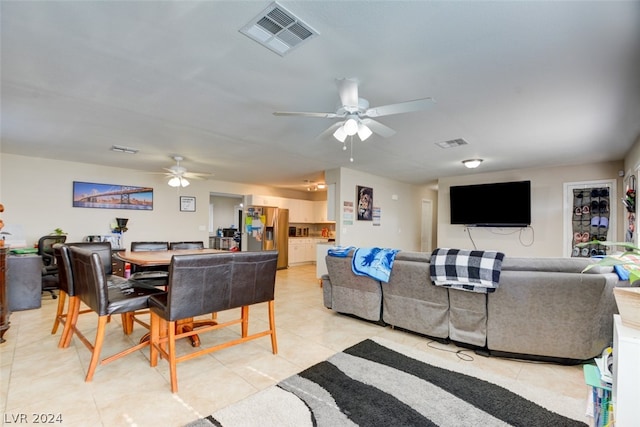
339	251
374	262
476	271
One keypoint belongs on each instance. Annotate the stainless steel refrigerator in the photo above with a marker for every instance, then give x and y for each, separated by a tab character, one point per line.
267	229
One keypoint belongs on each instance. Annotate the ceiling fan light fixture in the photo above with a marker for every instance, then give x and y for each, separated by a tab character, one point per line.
350	126
340	134
472	163
363	132
178	181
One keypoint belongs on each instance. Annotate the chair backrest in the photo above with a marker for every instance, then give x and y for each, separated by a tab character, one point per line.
186	245
45	247
202	284
101	248
63	260
65	272
89	279
149	246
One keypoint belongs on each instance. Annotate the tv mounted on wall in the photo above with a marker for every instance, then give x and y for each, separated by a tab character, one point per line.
503	204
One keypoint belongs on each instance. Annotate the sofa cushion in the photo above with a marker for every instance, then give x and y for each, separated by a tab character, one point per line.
556	265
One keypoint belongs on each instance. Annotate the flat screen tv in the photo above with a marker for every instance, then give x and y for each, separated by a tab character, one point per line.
503	204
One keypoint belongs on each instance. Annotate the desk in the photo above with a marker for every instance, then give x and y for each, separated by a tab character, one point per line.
150	258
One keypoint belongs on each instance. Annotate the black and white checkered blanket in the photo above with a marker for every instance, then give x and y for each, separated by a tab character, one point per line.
476	271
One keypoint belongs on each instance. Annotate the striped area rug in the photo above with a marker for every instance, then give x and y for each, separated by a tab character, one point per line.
371	384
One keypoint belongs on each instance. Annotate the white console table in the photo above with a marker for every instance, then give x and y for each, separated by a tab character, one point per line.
626	374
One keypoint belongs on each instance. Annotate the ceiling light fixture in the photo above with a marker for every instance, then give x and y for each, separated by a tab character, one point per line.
350	126
121	149
322	186
178	181
363	132
472	163
340	134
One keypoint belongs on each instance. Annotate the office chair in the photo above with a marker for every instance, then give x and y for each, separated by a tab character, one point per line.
49	264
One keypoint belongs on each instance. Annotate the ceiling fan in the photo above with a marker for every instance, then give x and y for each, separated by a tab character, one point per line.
357	116
178	174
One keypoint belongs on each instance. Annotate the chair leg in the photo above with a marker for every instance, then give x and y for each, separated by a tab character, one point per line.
97	348
171	329
59	312
127	323
272	327
73	311
153	341
245	320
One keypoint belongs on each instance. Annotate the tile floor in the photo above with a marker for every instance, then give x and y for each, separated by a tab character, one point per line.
39	378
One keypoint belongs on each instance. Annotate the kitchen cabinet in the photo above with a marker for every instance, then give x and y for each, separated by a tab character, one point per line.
300	211
320	211
306	211
303	250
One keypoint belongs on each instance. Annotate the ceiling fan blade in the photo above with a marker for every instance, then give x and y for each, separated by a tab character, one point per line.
348	91
379	128
197	175
304	114
401	107
329	131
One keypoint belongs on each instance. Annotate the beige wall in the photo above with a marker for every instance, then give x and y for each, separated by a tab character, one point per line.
37	197
546	235
399	204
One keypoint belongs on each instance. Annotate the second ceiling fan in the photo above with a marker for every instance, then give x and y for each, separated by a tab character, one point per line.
356	114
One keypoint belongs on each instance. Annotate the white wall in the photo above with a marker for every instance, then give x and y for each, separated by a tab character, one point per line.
400	219
37	194
224	212
545	237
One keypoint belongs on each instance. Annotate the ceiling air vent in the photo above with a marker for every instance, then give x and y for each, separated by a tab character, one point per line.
452	143
278	29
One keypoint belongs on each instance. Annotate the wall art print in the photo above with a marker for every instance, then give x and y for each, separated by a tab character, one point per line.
111	196
365	203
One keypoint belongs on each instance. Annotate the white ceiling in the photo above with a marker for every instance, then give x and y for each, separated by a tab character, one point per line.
525	83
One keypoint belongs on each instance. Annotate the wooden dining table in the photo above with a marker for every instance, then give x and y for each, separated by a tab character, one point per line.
156	258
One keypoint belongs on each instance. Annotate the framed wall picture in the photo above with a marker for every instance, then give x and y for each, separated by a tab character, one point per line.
187	204
364	195
111	196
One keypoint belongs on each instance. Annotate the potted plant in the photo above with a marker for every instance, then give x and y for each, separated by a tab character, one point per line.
59	232
627	298
630	256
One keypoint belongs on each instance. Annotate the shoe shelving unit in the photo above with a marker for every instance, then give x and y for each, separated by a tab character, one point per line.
590	219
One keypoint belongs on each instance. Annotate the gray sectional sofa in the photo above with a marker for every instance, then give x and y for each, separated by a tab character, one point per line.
543	309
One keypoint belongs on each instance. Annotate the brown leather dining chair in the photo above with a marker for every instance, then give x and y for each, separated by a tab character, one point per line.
65	278
155	275
202	284
186	245
115	295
